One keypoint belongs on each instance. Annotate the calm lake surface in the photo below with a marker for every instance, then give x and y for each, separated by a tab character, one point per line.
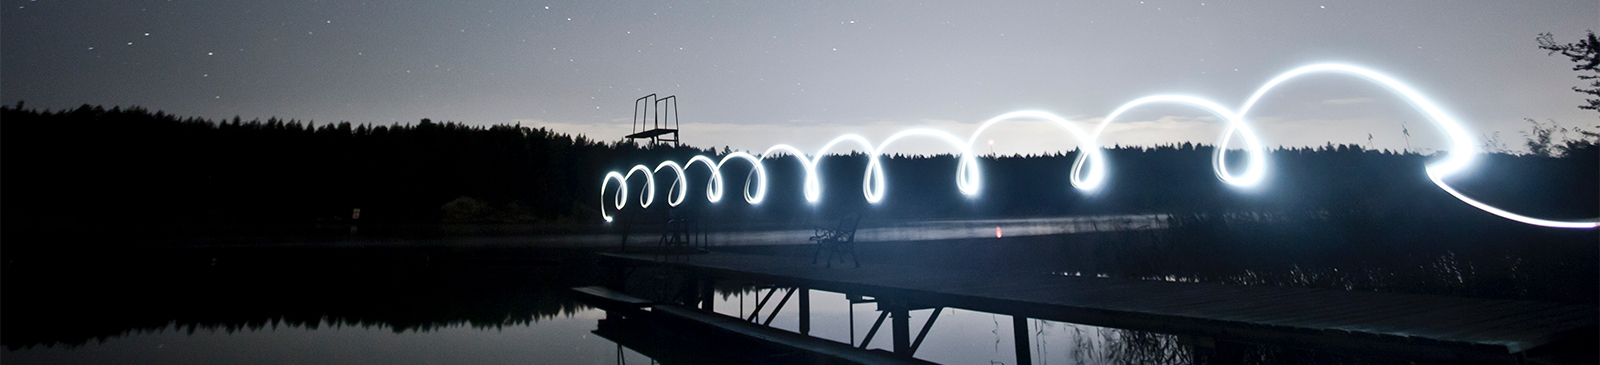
438	315
491	300
960	337
244	305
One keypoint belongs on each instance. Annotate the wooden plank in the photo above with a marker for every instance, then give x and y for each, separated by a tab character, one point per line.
1106	292
611	300
1213	299
1442	317
611	296
1531	333
1516	314
1253	308
1534	332
1339	307
1275	308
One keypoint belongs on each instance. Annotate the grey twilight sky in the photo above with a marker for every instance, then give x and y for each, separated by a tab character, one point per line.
751	74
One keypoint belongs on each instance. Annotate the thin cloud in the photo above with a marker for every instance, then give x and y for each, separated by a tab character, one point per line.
1347	101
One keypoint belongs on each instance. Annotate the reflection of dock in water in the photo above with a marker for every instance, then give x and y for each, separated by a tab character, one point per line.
673	334
1419	327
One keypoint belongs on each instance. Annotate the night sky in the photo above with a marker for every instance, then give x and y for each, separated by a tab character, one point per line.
751	75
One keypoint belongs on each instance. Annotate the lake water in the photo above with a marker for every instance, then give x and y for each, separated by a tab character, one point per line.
558	340
439	315
959	337
503	299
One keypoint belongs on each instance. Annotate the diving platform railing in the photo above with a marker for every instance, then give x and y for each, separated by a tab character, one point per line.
655	119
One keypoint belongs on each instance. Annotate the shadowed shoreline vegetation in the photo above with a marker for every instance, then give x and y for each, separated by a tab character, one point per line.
97	166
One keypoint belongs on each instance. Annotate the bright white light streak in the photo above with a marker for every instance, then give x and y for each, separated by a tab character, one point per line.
681	184
1462	147
1254	172
649	194
813	185
714	186
622	190
758	172
645	198
969	179
1085	141
1508	215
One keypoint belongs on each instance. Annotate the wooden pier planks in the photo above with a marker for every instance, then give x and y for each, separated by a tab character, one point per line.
1410	324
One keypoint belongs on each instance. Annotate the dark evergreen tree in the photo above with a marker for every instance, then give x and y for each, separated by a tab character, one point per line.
1586	54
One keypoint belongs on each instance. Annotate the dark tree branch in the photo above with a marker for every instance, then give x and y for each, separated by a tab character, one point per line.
1586	53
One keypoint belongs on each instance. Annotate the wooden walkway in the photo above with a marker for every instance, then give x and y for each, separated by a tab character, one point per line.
1413	326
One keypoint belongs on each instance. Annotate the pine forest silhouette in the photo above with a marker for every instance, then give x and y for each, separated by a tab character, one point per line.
98	166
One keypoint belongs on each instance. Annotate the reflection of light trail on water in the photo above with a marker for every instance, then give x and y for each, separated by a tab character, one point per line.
968	177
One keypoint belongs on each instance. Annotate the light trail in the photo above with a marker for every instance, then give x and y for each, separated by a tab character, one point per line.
968	178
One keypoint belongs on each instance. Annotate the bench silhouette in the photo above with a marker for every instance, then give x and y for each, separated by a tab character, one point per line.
838	241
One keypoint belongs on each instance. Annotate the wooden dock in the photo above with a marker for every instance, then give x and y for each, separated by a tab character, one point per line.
1424	327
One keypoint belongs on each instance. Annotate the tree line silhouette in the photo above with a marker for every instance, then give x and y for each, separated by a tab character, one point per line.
94	165
132	165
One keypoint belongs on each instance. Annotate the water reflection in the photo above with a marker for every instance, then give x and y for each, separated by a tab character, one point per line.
449	314
972	337
557	340
448	304
284	297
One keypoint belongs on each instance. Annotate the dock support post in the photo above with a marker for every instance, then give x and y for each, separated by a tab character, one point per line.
1019	336
902	329
1201	349
619	275
805	310
852	306
708	294
688	294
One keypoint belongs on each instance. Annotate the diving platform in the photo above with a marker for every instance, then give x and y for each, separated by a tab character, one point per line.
655	119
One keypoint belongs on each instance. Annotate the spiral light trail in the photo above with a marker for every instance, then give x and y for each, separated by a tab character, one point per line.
968	177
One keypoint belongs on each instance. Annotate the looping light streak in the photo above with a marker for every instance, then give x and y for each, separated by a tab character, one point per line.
969	178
